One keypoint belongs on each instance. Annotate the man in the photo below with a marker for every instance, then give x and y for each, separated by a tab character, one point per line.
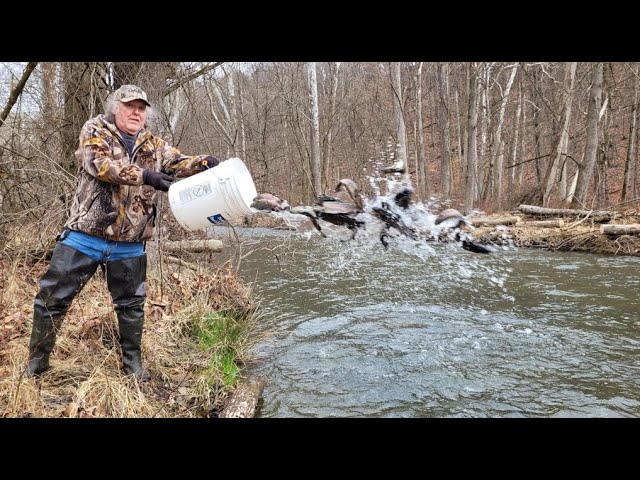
121	166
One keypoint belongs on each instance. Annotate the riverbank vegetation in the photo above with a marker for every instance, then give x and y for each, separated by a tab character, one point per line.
475	136
573	235
200	323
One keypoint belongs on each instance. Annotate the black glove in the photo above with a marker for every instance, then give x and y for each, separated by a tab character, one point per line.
158	180
209	162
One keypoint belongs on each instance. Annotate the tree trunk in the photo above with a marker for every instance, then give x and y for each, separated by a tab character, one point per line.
193	246
512	177
461	138
551	174
315	129
423	178
630	229
629	179
564	189
536	86
443	127
17	91
244	400
233	101
222	118
521	138
585	171
398	120
488	221
596	215
483	166
605	152
554	223
331	119
243	134
472	122
82	101
499	144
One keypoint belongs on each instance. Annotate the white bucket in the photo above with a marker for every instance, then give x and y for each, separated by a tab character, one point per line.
221	193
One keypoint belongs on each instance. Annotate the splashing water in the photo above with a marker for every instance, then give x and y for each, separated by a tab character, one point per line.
438	331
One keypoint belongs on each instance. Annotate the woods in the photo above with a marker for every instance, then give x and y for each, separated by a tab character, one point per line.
520	147
481	135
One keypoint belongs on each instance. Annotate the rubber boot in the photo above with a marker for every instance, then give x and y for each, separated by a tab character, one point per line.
126	281
69	271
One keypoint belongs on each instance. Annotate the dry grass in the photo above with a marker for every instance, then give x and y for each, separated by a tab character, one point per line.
85	379
579	236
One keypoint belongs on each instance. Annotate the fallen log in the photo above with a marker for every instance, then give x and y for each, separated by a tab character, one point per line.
487	221
632	228
595	215
555	223
193	246
245	399
182	263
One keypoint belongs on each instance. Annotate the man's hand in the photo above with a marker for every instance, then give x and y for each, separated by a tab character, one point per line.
209	162
158	180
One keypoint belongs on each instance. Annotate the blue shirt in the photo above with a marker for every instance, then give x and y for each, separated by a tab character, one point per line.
129	141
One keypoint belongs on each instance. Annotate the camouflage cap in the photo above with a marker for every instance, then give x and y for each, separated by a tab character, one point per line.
127	93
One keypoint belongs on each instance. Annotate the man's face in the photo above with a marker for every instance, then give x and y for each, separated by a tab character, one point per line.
130	116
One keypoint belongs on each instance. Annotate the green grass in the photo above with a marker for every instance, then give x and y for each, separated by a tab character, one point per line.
223	336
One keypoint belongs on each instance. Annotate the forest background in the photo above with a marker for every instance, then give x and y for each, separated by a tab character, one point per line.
474	135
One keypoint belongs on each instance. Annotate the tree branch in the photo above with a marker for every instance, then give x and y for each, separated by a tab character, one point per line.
15	94
190	77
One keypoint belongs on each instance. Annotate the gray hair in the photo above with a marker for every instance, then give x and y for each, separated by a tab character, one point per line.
112	105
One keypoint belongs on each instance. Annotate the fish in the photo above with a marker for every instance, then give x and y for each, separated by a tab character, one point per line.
452	217
267	201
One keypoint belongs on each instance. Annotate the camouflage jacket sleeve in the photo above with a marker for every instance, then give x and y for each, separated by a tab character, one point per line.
174	162
103	159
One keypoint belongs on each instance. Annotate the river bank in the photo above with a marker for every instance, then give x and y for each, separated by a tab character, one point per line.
580	235
200	323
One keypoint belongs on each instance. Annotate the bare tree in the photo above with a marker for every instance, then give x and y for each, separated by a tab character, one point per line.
498	150
243	131
14	94
460	125
423	186
551	175
16	91
585	170
263	115
398	119
472	121
629	190
484	161
334	70
226	120
315	129
442	110
84	89
512	177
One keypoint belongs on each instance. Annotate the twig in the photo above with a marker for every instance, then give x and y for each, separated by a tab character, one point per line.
172	391
182	263
578	222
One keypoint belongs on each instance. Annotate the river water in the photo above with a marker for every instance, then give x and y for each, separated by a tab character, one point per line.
431	330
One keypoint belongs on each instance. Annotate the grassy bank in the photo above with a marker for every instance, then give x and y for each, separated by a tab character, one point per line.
199	326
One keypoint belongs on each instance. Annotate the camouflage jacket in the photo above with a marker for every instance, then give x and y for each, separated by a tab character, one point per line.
110	200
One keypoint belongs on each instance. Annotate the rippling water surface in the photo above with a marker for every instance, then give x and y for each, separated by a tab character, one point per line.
431	330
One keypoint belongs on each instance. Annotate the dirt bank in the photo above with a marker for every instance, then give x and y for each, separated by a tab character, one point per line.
574	235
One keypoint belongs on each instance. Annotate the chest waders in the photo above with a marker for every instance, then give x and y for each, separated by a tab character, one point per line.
69	271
